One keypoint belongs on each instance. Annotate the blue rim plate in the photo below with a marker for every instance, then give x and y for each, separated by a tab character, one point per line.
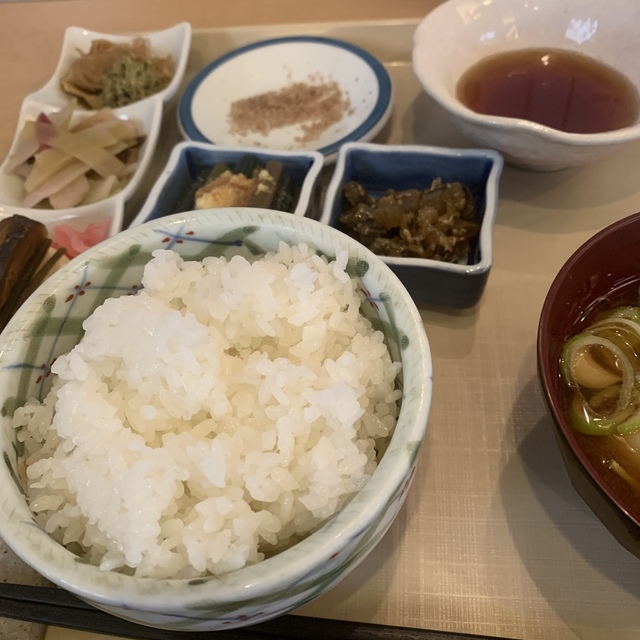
217	85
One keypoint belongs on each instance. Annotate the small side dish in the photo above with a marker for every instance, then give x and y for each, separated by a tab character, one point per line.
108	69
438	222
247	183
74	170
203	176
428	212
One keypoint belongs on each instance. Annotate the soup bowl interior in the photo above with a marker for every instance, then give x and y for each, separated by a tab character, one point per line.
458	34
600	275
50	324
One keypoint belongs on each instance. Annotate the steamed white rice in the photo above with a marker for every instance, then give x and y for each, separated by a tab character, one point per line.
224	411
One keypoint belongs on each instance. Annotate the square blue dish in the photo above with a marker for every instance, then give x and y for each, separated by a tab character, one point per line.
189	160
381	167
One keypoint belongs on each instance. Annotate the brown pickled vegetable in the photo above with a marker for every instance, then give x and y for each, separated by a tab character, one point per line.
437	223
114	74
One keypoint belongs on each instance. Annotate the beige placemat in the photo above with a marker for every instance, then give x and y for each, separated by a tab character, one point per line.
493	539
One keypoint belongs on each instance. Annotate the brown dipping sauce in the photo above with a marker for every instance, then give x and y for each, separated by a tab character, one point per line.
561	89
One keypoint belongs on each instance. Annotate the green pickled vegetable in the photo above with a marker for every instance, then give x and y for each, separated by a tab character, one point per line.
130	79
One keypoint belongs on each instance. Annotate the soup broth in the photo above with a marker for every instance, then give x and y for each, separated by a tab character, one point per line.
561	89
603	450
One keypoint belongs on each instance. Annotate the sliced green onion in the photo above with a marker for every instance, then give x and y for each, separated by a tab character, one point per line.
629	425
585	420
631	313
616	323
585	341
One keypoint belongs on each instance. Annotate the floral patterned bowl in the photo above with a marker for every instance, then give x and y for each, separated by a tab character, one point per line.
50	323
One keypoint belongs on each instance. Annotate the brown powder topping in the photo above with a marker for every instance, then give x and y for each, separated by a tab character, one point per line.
313	106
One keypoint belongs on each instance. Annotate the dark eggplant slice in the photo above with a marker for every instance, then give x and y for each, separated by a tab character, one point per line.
264	197
26	260
286	195
21	241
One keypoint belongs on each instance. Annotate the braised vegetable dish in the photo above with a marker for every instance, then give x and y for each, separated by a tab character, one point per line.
246	183
437	222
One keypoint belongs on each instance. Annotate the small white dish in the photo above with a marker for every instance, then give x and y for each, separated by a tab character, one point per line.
175	41
189	159
272	65
147	113
459	33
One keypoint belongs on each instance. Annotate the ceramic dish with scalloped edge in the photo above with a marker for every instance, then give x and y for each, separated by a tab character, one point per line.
91	222
175	41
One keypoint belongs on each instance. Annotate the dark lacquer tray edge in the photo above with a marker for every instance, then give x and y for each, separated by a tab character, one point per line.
52	606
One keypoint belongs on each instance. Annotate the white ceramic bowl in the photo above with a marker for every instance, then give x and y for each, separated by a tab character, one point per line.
459	33
174	41
148	115
271	65
49	324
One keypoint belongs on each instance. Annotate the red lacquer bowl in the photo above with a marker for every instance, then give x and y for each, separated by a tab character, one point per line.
600	267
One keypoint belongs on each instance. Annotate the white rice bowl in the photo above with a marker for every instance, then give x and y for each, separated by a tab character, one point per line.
222	413
49	325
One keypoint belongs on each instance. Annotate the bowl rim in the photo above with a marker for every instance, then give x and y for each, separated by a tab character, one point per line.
544	367
366	130
422	41
147	594
485	237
